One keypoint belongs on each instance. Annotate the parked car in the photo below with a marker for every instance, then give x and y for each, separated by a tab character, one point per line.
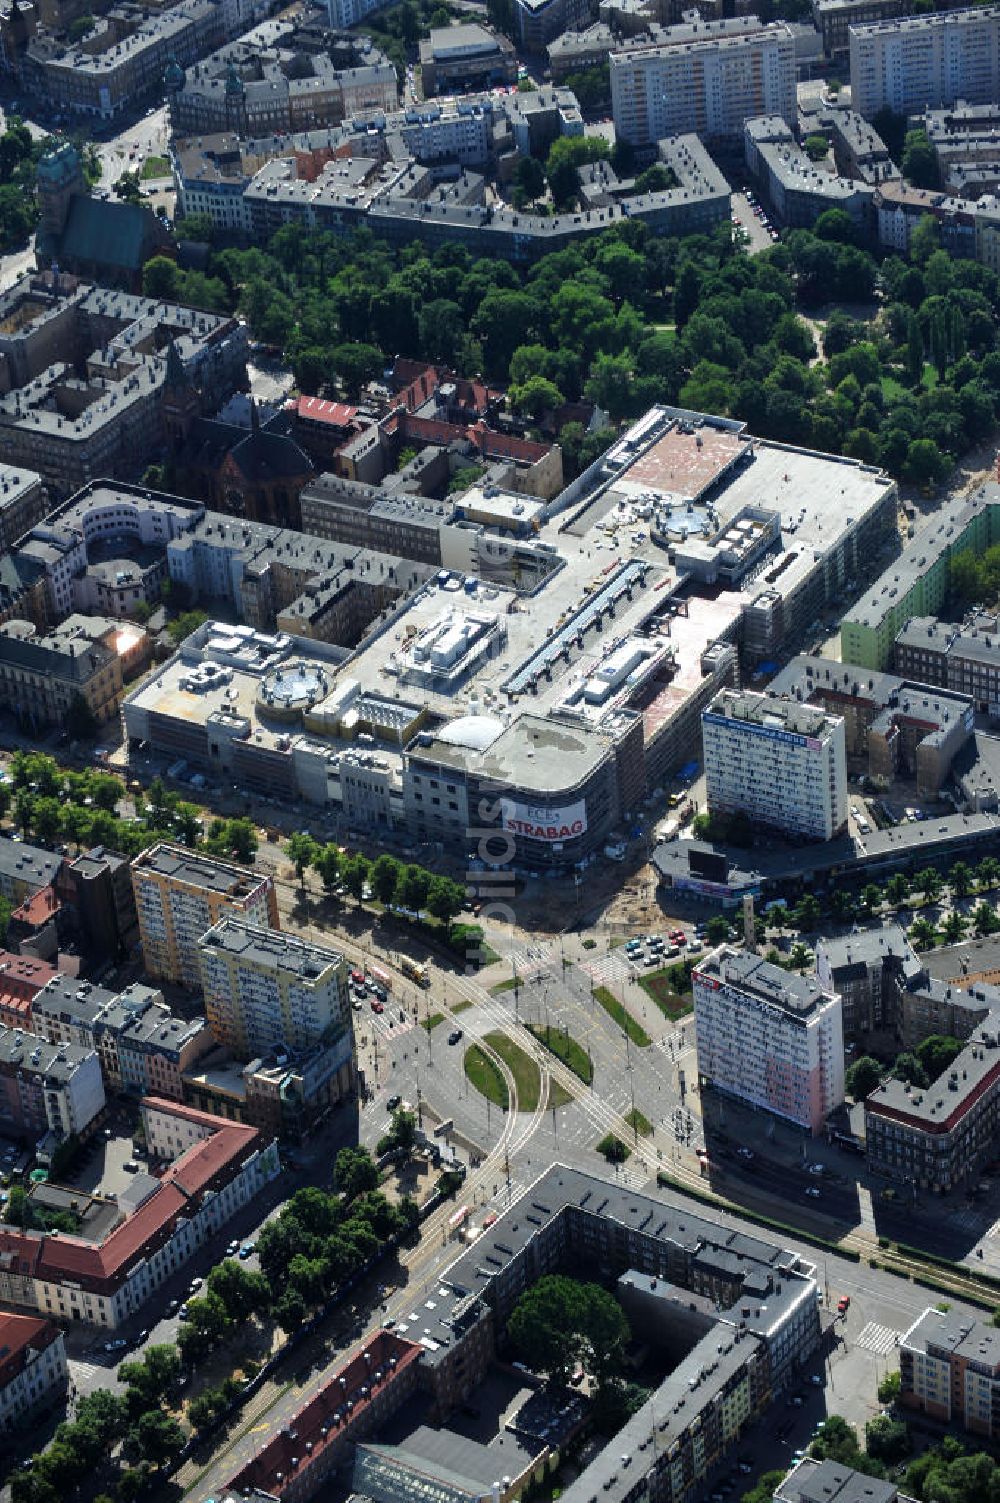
455	1036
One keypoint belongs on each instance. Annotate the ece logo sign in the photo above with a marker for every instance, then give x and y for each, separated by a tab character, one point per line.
540	822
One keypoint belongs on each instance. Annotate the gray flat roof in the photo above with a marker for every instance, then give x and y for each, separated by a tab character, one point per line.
198	871
812	1481
273	948
794	994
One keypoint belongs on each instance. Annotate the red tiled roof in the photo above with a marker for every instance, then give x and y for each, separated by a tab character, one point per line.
339	414
102	1267
22	976
342	1385
38	907
17	1334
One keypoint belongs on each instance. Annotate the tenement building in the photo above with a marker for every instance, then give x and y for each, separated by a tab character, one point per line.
949	1370
209	1170
94	382
265	990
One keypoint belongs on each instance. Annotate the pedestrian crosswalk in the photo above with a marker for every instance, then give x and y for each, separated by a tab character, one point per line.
528	960
878	1339
84	1374
611	967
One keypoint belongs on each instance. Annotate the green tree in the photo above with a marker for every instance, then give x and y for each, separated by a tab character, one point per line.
960	879
871	897
919	161
536	397
187	823
355	1172
801	957
908	1067
923	934
559	1321
928	882
954	927
815	147
717	930
356	364
807	912
290	1311
897	889
937	1053
842	905
384	878
160	278
887	1439
155	1437
862	1077
765	1489
327	864
153	1381
243	1292
889	1387
925	239
301	850
445	898
529	179
985	920
354	873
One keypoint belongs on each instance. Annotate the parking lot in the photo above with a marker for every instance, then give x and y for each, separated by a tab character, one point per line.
751	218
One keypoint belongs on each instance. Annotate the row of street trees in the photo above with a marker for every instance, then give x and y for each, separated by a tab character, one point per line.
52	803
320	1239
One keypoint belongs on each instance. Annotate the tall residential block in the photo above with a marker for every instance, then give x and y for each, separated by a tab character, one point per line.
769	1037
708	77
780	763
179	895
267	992
926	62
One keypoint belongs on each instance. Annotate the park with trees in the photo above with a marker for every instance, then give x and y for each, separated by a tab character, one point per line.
907	379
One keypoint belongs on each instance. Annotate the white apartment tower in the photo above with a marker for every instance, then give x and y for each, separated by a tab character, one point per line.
708	77
768	1036
926	62
781	763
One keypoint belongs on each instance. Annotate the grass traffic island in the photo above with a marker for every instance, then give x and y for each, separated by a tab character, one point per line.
527	1076
483	1073
566	1048
638	1123
430	1023
154	167
671	1003
488	1078
504	986
622	1017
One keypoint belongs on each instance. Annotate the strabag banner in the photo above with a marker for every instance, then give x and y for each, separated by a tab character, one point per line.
542	821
